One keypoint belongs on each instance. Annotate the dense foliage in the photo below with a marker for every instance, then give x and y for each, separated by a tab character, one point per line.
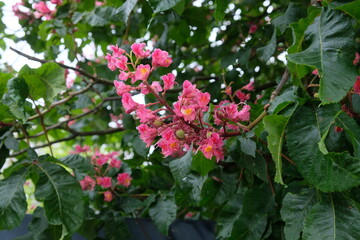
268	144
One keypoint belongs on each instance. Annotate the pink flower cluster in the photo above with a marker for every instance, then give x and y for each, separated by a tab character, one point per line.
22	15
174	128
103	163
42	10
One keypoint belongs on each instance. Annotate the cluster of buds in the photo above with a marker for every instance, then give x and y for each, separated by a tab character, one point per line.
174	128
103	163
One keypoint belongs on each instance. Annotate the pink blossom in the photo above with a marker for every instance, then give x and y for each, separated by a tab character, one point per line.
357	58
213	146
105	182
115	163
124	179
147	134
169	81
20	14
145	115
188	112
42	8
160	58
80	149
108	196
87	183
253	28
155	86
242	96
204	99
101	160
316	72
244	114
138	50
117	52
228	91
121	63
56	2
128	103
121	88
357	85
249	86
111	62
69	82
338	129
125	75
142	72
169	144
98	3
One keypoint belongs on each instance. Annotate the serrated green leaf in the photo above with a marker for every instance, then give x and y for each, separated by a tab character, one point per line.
100	16
201	164
331	51
352	131
220	7
275	125
140	147
12	143
334	218
247	146
61	194
125	10
163	213
295	207
282	101
181	167
267	51
352	8
80	165
162	5
5	113
4	78
323	171
292	14
37	226
12	200
15	97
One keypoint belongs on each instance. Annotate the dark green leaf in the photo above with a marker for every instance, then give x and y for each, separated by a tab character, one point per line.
352	9
140	147
331	51
12	200
163	213
180	167
12	143
15	97
220	7
100	16
275	125
61	194
267	51
323	171
295	207
352	131
125	10
201	164
80	165
247	146
4	78
162	5
293	13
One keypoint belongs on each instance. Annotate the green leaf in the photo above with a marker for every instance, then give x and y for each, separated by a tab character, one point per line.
292	14
140	147
220	7
295	207
4	78
323	171
15	97
282	101
45	82
12	200
125	10
163	213
352	9
352	131
275	125
247	146
334	218
100	16
298	31
162	5
80	165
12	143
331	51
180	167
37	226
267	51
5	113
61	194
201	164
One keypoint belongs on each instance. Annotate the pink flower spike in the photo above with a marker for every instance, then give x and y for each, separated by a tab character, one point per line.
124	179
117	52
121	88
169	81
249	86
87	183
147	134
244	114
108	196
128	103
115	163
105	182
160	58
138	50
357	85
142	73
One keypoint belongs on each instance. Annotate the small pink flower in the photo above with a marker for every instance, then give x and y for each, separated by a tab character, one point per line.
145	115
338	129
122	88
228	91
316	72
204	99
42	8
142	72
80	149
125	75
124	179
242	96
253	28
244	114
121	63
169	143
102	159
357	85
105	182
213	146
87	183
128	103
111	62
115	163
108	196
117	52
188	112
169	81
357	58
69	82
56	2
138	50
147	134
249	86
160	58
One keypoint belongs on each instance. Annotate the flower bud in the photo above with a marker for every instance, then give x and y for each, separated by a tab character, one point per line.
157	123
180	133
